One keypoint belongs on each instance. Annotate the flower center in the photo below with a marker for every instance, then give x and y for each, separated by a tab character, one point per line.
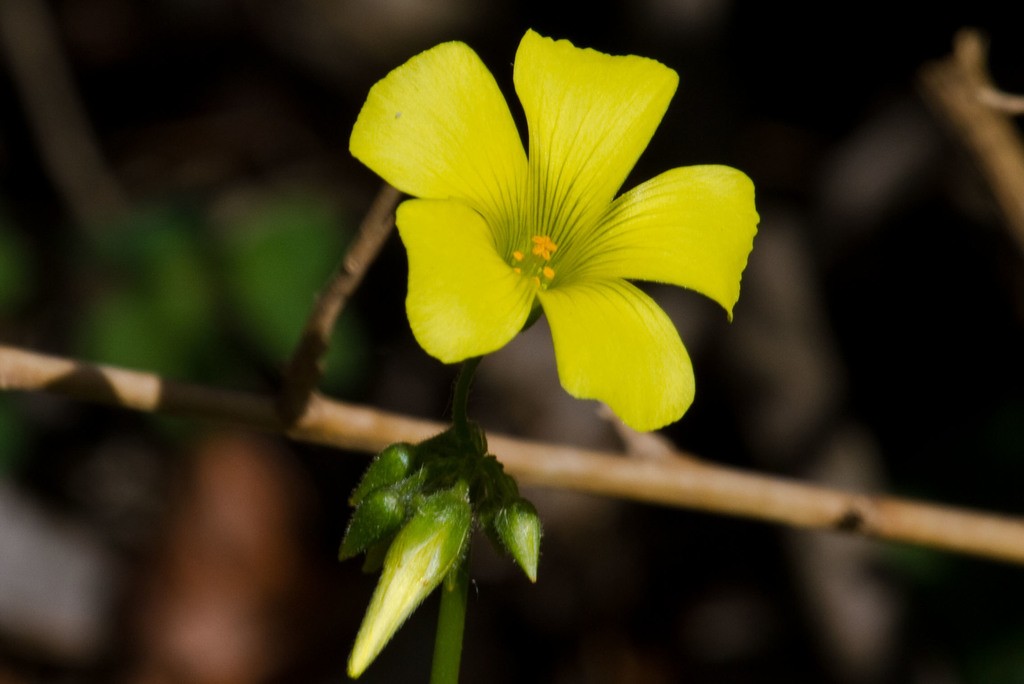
536	265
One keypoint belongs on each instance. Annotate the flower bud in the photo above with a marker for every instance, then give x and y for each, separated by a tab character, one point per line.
517	528
423	552
388	467
379	515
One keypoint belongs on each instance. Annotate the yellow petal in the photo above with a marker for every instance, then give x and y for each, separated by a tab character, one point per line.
590	116
438	127
614	344
692	227
463	299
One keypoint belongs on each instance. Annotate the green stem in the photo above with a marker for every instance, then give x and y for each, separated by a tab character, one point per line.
451	622
460	402
451	619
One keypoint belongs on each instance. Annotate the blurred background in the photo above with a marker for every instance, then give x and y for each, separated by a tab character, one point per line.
174	188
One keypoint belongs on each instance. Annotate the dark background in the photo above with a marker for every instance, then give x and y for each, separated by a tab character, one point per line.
876	346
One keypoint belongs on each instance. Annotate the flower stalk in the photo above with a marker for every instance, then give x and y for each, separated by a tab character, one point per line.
460	400
451	624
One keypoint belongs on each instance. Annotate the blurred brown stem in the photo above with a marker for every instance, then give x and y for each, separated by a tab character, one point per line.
682	482
960	89
305	367
55	115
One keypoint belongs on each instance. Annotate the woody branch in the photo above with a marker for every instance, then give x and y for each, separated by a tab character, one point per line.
682	481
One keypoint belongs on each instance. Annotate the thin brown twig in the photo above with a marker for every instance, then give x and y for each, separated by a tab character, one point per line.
1007	103
305	367
681	482
61	128
957	86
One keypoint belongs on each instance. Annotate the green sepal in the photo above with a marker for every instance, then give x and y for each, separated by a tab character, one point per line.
392	464
477	438
374	559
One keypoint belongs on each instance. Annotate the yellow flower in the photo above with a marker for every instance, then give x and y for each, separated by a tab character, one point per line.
498	232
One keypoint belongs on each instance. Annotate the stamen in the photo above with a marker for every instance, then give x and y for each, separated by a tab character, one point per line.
543	247
536	265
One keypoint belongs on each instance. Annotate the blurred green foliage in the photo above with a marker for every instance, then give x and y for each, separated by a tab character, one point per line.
276	258
221	300
175	293
153	303
15	268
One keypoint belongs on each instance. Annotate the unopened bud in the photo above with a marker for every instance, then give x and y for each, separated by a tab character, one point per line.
517	527
423	552
392	464
379	515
